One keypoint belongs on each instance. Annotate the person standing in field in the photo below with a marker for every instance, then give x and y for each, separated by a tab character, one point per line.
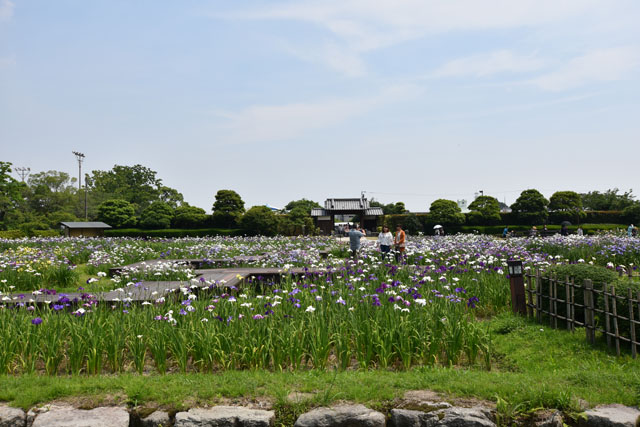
399	242
630	230
385	240
355	235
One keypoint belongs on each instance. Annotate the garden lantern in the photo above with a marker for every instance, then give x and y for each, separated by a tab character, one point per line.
516	281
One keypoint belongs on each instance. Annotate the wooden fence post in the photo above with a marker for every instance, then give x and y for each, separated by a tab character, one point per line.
607	317
632	323
529	297
567	298
614	301
589	323
538	295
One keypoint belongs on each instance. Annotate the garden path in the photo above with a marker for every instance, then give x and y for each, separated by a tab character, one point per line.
152	290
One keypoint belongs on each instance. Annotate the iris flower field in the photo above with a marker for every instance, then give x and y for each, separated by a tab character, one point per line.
430	309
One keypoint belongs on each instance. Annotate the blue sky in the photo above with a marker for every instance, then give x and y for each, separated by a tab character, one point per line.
407	100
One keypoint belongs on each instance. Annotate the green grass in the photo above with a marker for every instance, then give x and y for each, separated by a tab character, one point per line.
533	367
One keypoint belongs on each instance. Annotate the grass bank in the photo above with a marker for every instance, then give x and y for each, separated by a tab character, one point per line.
533	367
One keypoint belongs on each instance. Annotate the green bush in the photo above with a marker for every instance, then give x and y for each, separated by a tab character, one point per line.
622	286
46	233
578	273
136	232
12	234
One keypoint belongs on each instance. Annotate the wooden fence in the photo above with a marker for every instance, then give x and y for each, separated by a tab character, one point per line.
596	308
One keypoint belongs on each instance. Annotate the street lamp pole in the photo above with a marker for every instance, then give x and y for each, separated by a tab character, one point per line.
80	158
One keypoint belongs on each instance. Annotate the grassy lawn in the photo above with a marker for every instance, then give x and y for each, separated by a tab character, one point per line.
533	367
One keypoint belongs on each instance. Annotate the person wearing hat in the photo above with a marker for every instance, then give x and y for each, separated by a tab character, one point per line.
533	232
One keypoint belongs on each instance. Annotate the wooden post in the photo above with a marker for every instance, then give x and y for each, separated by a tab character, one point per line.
538	295
632	323
573	304
555	302
607	322
567	297
614	300
588	311
529	297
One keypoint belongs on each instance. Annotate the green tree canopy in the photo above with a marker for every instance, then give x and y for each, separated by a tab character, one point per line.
484	210
632	213
187	216
531	207
391	208
10	194
445	212
610	200
228	208
305	204
259	220
157	215
52	191
117	213
136	184
566	205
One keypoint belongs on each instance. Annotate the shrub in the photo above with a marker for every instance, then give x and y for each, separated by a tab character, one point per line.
259	220
136	232
157	215
622	286
12	234
117	213
578	273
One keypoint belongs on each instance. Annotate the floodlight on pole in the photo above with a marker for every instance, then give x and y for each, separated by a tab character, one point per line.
80	158
23	172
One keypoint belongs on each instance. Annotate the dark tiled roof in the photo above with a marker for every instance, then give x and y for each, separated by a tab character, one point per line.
90	224
374	211
346	204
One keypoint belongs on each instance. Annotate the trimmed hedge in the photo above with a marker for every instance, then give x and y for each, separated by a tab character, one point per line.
203	232
12	234
19	234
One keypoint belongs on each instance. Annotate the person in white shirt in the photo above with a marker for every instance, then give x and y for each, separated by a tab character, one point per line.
385	240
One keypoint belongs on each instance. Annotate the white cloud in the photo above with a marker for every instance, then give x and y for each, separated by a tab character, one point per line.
594	66
6	10
361	26
345	61
261	123
487	64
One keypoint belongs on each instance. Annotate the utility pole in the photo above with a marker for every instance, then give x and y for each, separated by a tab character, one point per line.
80	158
23	172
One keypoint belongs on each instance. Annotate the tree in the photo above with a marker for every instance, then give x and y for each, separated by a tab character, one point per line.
446	212
10	195
171	196
632	213
157	216
567	205
531	207
610	200
136	184
189	217
52	191
259	220
117	213
484	210
296	222
389	209
412	224
304	204
228	209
